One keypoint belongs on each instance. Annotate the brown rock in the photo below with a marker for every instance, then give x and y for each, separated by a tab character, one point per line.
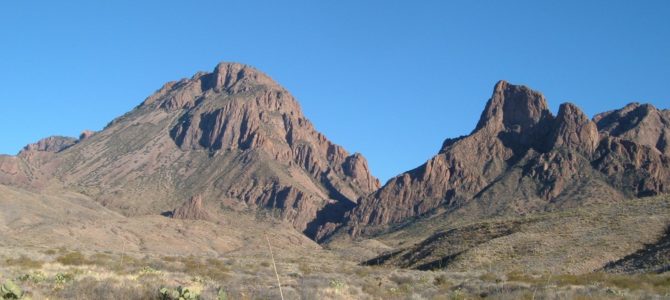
639	169
86	134
192	210
573	130
356	167
51	144
643	124
520	158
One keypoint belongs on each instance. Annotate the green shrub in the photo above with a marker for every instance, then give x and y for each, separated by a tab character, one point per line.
35	277
63	278
180	293
9	290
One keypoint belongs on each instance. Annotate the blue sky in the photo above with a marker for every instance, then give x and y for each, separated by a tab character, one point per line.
389	79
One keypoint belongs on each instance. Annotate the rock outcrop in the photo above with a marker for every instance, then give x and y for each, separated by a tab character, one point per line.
52	144
192	209
86	134
642	124
521	158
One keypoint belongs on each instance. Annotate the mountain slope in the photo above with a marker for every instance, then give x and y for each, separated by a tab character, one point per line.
232	136
521	158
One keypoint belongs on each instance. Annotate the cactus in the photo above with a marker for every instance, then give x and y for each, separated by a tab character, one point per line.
35	277
180	293
9	290
61	278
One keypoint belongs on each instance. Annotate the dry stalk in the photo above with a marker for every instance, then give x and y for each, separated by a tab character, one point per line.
274	265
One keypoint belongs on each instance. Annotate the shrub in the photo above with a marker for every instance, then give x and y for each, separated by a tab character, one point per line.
35	277
9	290
63	278
180	293
147	271
73	259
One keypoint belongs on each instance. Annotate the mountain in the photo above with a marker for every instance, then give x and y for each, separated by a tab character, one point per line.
520	158
232	139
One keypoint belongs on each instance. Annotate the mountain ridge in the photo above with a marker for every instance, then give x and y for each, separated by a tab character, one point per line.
235	139
233	136
519	147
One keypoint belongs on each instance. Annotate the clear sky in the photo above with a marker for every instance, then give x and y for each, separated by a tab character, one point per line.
389	79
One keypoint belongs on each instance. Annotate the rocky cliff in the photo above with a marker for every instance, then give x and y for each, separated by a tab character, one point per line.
521	158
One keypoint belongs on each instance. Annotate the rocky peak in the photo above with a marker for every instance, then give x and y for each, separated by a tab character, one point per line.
52	144
514	107
227	77
643	124
235	77
521	158
86	134
574	130
356	167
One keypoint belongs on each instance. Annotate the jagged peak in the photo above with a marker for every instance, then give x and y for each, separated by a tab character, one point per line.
640	109
513	106
51	144
86	134
573	129
226	77
569	109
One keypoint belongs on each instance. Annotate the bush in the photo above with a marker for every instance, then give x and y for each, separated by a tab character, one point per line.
9	290
73	259
180	293
35	277
63	278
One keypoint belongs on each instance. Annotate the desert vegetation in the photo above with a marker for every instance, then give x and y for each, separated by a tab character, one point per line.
71	274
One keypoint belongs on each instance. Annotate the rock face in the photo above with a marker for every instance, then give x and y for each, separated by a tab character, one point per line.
52	144
192	209
86	134
233	136
640	123
522	158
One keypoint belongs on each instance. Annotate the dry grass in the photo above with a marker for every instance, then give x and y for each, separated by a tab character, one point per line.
96	276
24	262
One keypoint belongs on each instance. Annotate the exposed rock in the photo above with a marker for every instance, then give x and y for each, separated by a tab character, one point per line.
86	134
513	106
192	210
639	169
514	119
573	130
520	158
51	144
640	123
356	167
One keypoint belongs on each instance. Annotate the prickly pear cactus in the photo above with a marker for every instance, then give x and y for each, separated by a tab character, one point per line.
9	290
